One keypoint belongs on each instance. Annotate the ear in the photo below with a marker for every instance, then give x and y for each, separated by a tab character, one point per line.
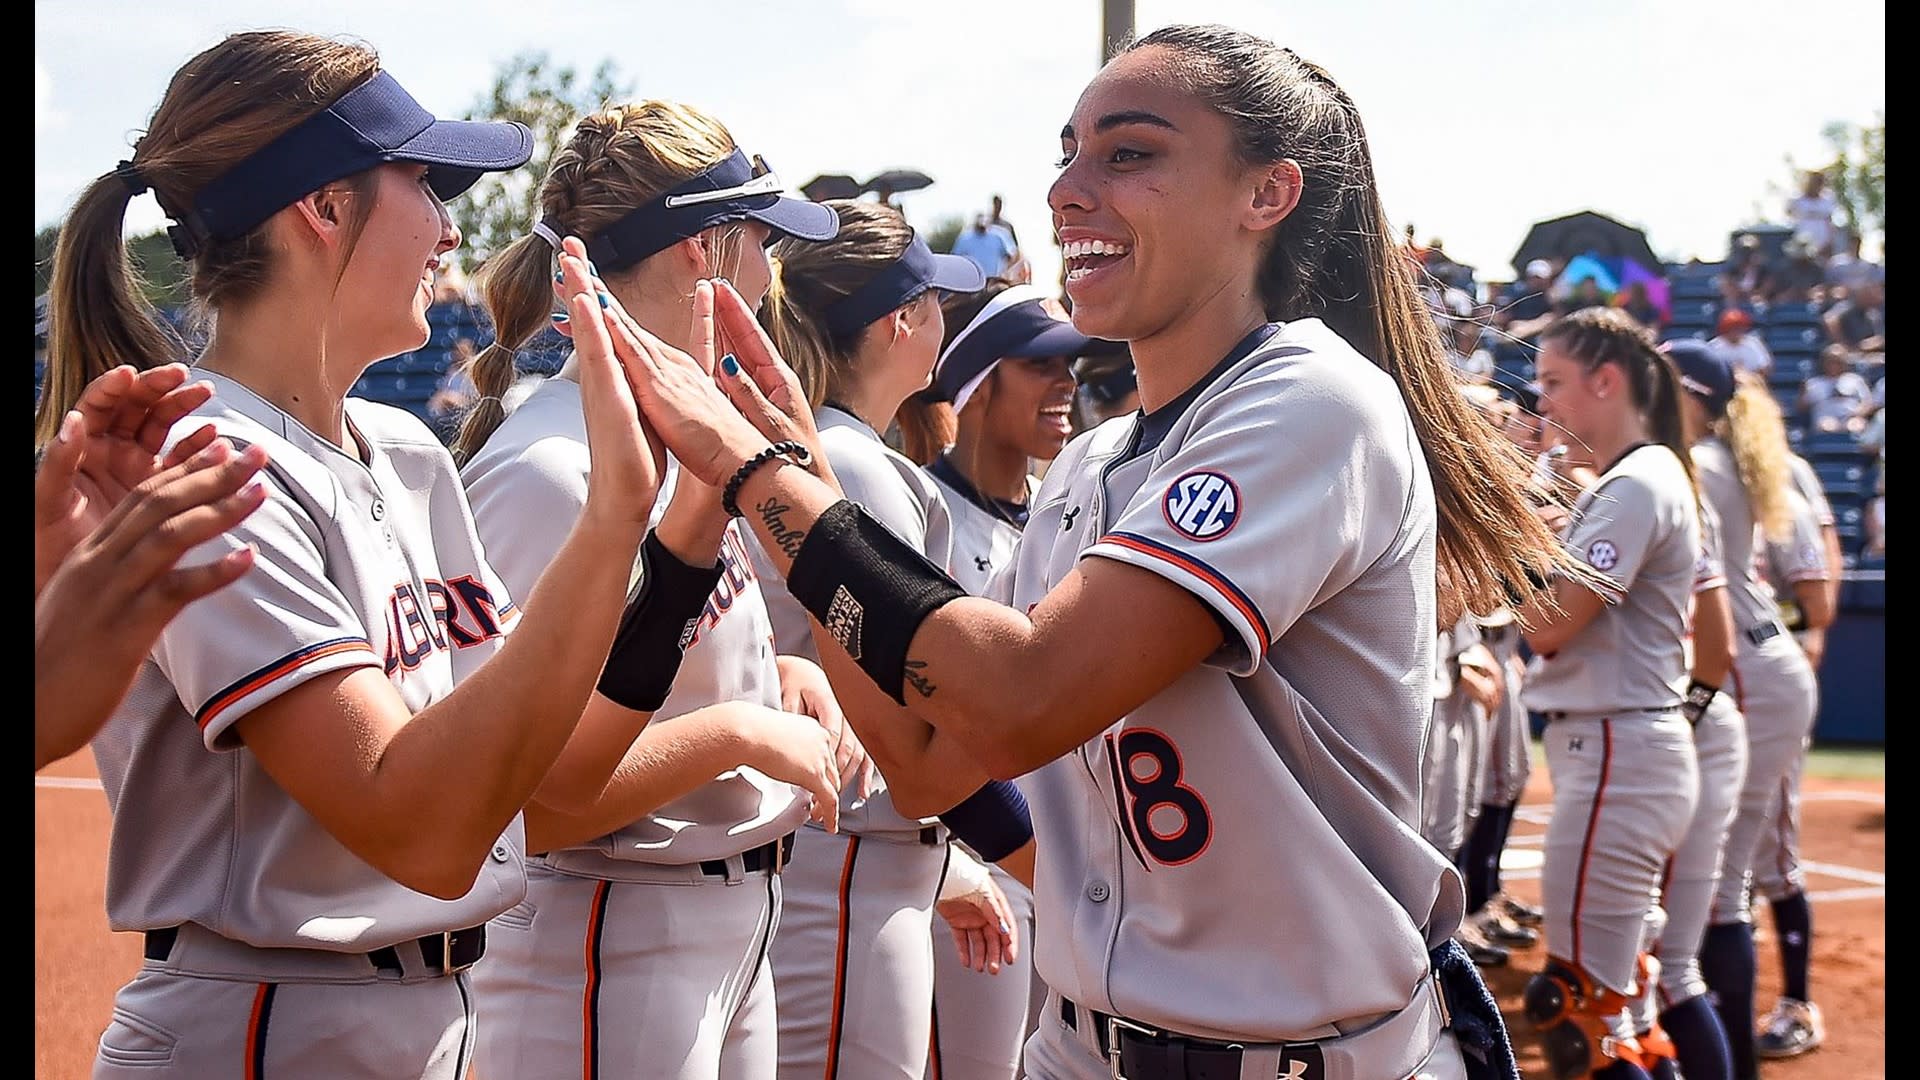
323	214
1607	380
693	253
1276	194
901	323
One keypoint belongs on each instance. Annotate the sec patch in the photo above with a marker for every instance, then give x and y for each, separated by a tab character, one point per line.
1202	505
1602	555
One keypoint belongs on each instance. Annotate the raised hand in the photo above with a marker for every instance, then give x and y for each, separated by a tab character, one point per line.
103	607
107	445
626	464
770	394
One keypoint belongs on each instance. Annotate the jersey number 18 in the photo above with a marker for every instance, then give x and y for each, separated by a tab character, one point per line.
1160	815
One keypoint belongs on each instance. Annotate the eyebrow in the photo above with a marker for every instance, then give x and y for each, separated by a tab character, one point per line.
1121	119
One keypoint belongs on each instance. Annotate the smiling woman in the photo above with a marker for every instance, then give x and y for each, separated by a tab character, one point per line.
1197	660
290	719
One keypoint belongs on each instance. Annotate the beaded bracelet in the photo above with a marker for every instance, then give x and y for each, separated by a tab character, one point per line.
793	451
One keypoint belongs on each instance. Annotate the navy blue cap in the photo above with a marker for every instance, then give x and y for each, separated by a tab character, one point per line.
914	272
1015	322
374	123
733	189
1705	371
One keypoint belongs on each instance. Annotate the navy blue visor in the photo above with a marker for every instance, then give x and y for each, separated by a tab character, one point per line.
372	124
734	189
1014	323
914	272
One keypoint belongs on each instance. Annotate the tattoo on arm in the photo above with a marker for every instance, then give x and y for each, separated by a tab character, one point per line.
918	681
788	540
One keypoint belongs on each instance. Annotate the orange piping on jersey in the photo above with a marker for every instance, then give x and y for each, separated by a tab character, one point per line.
590	1004
1593	819
221	701
840	960
1783	832
256	1066
1202	571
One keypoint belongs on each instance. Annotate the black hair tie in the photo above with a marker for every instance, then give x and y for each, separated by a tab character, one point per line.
130	175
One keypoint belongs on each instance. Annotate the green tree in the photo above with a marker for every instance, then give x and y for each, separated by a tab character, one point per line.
944	231
1856	174
502	207
162	275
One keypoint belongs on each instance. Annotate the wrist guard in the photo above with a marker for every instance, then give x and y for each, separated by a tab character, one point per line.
656	628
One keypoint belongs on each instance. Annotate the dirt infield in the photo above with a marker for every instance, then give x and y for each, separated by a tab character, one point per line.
78	964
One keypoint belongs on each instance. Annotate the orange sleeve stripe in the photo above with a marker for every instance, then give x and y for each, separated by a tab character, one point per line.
1202	571
220	702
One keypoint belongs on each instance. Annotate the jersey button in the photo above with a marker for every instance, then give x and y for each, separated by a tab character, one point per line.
379	509
499	853
1097	892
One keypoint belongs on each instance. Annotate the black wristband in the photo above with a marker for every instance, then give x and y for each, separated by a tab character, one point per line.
656	628
870	589
794	451
1699	696
993	821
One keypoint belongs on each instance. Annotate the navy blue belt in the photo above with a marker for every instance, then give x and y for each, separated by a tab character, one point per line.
445	953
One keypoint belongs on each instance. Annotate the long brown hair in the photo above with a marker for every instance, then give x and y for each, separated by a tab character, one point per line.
1604	335
221	106
808	277
1334	258
619	158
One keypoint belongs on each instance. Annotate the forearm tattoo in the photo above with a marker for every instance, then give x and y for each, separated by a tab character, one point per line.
788	540
917	680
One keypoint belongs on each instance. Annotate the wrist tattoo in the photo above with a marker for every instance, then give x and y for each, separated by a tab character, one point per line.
916	680
788	540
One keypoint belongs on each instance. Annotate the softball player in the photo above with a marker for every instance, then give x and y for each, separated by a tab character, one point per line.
1744	476
1794	1026
1504	919
1673	990
1005	368
1608	673
1266	730
317	779
599	965
860	318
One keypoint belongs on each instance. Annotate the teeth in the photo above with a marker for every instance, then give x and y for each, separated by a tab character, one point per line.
1080	249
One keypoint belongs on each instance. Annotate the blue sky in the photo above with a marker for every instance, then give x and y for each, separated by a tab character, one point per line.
1484	117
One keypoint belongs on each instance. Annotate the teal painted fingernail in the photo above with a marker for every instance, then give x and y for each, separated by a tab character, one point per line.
592	269
605	300
560	276
559	316
729	365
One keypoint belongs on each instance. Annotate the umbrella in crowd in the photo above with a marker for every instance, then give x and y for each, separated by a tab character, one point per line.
1587	232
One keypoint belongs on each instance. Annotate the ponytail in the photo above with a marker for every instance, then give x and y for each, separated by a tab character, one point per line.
1605	335
517	290
1757	438
800	337
927	427
1333	258
97	317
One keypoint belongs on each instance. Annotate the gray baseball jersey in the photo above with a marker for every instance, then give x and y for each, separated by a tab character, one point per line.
611	915
1773	685
1625	775
1450	793
902	497
366	559
528	484
1720	746
1638	525
1508	761
854	959
985	533
980	1020
370	563
1807	483
1287	492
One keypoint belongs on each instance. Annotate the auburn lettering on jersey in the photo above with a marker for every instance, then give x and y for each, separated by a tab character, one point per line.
736	573
457	614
